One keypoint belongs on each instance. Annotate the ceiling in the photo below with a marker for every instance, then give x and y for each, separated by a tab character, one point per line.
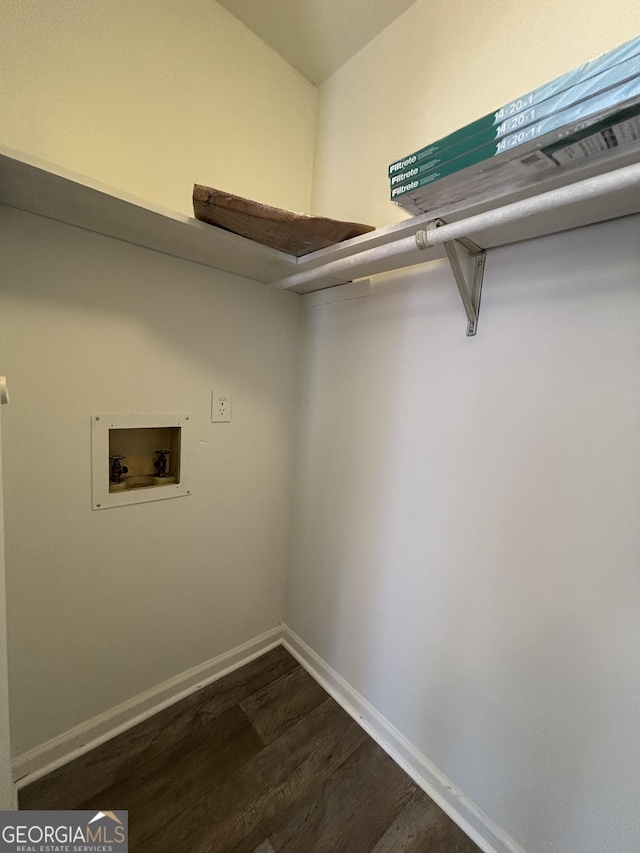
316	36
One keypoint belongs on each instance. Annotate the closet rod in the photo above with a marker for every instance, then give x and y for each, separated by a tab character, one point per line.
358	265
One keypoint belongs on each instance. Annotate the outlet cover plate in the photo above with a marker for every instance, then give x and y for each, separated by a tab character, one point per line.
220	407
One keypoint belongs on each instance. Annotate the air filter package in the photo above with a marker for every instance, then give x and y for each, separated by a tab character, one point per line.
589	114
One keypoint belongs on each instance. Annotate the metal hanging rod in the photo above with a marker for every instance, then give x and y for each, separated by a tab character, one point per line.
359	265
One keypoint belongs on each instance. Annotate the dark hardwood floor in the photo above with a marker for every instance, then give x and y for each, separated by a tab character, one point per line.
262	761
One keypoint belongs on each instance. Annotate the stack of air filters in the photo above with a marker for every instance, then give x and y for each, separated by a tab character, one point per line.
587	115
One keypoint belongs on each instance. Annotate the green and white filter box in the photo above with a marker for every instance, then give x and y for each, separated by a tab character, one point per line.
514	108
614	137
544	132
578	93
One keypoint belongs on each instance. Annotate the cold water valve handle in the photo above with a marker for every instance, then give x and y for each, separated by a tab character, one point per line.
117	470
161	463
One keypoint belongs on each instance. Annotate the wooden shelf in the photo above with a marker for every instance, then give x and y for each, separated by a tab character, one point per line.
29	184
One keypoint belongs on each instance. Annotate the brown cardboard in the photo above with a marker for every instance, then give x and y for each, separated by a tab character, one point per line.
294	233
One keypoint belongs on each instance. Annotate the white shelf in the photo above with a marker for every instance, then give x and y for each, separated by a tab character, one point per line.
29	184
621	202
38	187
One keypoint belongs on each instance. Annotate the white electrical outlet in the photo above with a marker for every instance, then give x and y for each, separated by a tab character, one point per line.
220	407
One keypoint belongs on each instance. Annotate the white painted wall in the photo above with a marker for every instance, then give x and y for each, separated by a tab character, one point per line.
6	779
106	604
465	536
465	533
441	65
153	96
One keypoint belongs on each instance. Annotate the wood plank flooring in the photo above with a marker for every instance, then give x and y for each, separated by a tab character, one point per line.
262	761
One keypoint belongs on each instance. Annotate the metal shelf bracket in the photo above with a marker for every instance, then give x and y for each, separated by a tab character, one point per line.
470	291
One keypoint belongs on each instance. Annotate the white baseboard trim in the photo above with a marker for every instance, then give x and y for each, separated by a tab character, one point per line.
43	759
472	820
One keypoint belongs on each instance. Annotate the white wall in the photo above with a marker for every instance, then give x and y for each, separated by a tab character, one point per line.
6	778
148	97
465	535
153	96
442	64
106	604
